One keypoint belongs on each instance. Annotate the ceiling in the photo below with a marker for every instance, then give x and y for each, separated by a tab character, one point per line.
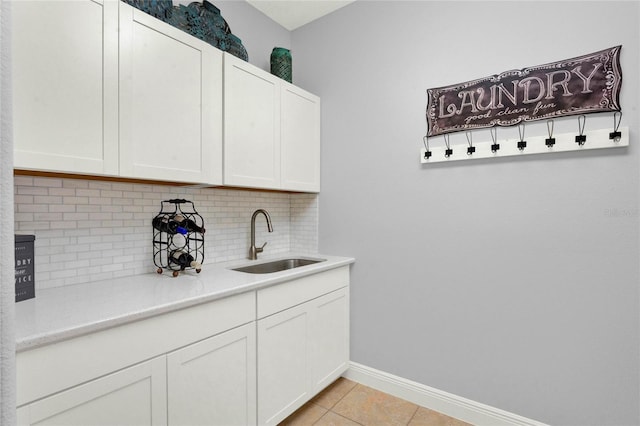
292	14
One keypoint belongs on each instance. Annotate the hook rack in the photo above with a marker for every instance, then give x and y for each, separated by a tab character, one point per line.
597	139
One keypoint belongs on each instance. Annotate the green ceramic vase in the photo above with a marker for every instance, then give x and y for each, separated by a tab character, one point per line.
281	63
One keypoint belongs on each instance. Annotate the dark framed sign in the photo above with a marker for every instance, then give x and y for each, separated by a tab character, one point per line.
585	84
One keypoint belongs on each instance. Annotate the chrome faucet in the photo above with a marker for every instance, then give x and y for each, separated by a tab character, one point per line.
253	250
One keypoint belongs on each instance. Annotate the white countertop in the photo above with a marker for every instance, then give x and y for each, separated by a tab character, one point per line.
65	312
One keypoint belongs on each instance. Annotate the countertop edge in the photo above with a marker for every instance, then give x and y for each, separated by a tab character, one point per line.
36	340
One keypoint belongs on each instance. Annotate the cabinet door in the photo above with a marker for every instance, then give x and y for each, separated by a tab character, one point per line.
213	382
170	102
283	383
329	345
65	86
251	125
300	140
134	396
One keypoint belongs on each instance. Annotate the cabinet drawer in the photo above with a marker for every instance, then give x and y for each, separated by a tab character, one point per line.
45	370
283	296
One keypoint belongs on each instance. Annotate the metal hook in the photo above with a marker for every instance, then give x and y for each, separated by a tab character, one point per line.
448	152
471	148
522	144
616	135
494	136
425	141
551	140
581	138
619	115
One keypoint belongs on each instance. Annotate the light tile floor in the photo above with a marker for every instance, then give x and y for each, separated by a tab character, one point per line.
347	403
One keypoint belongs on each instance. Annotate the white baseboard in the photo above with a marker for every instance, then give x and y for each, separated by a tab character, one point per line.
434	399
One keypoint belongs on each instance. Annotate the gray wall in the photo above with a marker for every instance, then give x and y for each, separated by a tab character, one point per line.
512	282
259	34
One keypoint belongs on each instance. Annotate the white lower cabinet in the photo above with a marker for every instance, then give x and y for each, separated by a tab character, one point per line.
329	346
304	348
187	367
213	382
251	358
134	396
283	347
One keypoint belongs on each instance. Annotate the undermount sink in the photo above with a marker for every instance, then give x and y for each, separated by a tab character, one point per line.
277	265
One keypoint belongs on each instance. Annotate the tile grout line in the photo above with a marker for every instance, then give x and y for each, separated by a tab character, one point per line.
414	414
343	397
324	414
330	409
417	407
351	420
339	415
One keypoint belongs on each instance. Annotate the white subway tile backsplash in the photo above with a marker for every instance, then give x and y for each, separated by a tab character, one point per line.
47	182
70	183
100	185
75	216
32	190
75	200
90	230
22	199
31	226
47	199
25	205
98	231
24	217
22	181
49	217
87	192
62	208
62	191
64	224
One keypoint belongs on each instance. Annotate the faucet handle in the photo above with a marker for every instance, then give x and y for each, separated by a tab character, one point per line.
260	249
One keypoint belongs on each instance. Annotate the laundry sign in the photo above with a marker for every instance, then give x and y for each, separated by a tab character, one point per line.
586	84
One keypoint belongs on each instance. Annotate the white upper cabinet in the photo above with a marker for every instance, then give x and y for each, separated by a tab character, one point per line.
102	88
251	125
65	86
300	139
170	102
271	131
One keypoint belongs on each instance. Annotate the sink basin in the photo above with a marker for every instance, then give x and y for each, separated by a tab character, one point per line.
277	265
